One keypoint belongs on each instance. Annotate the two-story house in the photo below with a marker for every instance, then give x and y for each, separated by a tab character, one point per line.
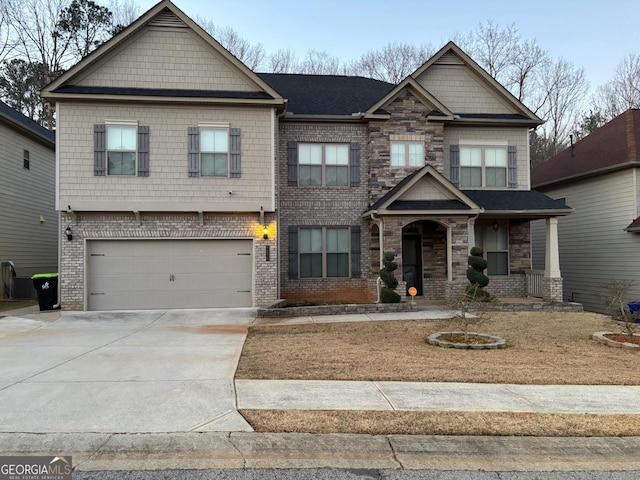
187	180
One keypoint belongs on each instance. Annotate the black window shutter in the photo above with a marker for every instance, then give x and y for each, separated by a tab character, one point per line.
355	251
143	151
194	151
354	164
293	251
292	162
454	161
513	167
99	149
234	152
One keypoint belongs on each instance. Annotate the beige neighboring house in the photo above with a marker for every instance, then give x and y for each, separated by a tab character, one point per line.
28	219
186	180
600	242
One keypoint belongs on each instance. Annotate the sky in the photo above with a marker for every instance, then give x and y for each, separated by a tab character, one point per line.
594	35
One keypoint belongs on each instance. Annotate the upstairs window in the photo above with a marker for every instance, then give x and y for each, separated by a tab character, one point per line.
483	166
323	164
407	154
214	152
121	149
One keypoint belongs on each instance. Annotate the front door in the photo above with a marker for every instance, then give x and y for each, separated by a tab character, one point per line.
412	261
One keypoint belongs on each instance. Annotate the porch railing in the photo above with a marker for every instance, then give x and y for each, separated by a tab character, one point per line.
534	282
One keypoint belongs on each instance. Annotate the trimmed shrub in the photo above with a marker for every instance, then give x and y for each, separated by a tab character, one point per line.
477	265
387	293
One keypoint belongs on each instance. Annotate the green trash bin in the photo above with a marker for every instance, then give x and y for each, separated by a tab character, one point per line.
46	284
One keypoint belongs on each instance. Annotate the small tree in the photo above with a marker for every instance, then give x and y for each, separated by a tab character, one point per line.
476	277
618	306
387	293
465	300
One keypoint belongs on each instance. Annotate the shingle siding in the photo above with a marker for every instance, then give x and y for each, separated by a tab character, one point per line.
167	58
168	185
460	91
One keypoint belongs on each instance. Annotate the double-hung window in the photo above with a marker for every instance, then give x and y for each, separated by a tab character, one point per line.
323	164
324	252
407	154
495	243
214	152
483	166
121	149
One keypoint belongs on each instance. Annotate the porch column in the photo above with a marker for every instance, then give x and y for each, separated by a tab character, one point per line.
471	227
552	281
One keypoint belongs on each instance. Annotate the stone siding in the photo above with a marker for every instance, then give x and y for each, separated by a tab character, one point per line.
407	121
163	226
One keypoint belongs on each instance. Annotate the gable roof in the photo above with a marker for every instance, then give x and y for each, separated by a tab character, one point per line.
26	125
452	50
164	13
326	94
440	109
611	147
392	200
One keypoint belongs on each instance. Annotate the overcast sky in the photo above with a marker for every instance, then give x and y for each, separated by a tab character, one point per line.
592	34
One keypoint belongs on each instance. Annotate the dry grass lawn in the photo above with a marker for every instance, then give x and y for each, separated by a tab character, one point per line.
543	348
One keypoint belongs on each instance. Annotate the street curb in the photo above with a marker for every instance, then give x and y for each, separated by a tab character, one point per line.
242	450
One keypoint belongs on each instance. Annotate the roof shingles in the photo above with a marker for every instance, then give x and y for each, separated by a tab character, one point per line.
611	146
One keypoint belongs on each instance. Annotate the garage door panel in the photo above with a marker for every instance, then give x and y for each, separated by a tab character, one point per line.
151	274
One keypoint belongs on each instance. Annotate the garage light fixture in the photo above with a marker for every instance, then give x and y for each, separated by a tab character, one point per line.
68	233
265	233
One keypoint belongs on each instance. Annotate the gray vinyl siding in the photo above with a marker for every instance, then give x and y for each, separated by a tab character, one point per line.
594	248
25	195
538	244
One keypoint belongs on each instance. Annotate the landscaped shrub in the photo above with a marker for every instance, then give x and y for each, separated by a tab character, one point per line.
475	275
387	293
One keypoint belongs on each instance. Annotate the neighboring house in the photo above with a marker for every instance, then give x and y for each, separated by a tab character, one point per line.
188	180
599	177
28	219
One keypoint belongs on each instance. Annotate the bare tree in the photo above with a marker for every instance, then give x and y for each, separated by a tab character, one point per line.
393	62
622	91
562	88
494	48
252	55
283	61
322	63
528	59
34	25
124	13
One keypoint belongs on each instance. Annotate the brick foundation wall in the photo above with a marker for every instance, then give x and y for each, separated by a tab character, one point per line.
164	226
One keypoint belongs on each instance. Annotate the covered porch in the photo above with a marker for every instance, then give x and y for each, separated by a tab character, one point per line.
431	226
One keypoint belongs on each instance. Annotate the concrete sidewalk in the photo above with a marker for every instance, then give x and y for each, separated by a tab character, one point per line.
469	397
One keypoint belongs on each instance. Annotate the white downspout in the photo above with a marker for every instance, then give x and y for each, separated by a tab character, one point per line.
380	223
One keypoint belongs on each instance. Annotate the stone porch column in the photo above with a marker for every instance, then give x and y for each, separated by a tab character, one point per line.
552	281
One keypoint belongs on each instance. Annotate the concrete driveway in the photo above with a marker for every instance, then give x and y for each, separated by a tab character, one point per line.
146	371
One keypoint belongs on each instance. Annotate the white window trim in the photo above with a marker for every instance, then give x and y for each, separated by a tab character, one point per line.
481	144
120	123
323	165
406	144
215	126
324	250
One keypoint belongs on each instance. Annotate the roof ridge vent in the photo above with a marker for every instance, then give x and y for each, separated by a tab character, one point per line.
449	58
166	18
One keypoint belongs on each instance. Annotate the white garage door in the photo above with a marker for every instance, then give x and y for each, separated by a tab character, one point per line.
157	274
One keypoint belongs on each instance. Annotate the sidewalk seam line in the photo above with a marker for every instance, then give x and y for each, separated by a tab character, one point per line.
375	384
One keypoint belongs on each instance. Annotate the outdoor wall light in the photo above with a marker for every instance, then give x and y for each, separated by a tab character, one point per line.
68	233
265	233
495	226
